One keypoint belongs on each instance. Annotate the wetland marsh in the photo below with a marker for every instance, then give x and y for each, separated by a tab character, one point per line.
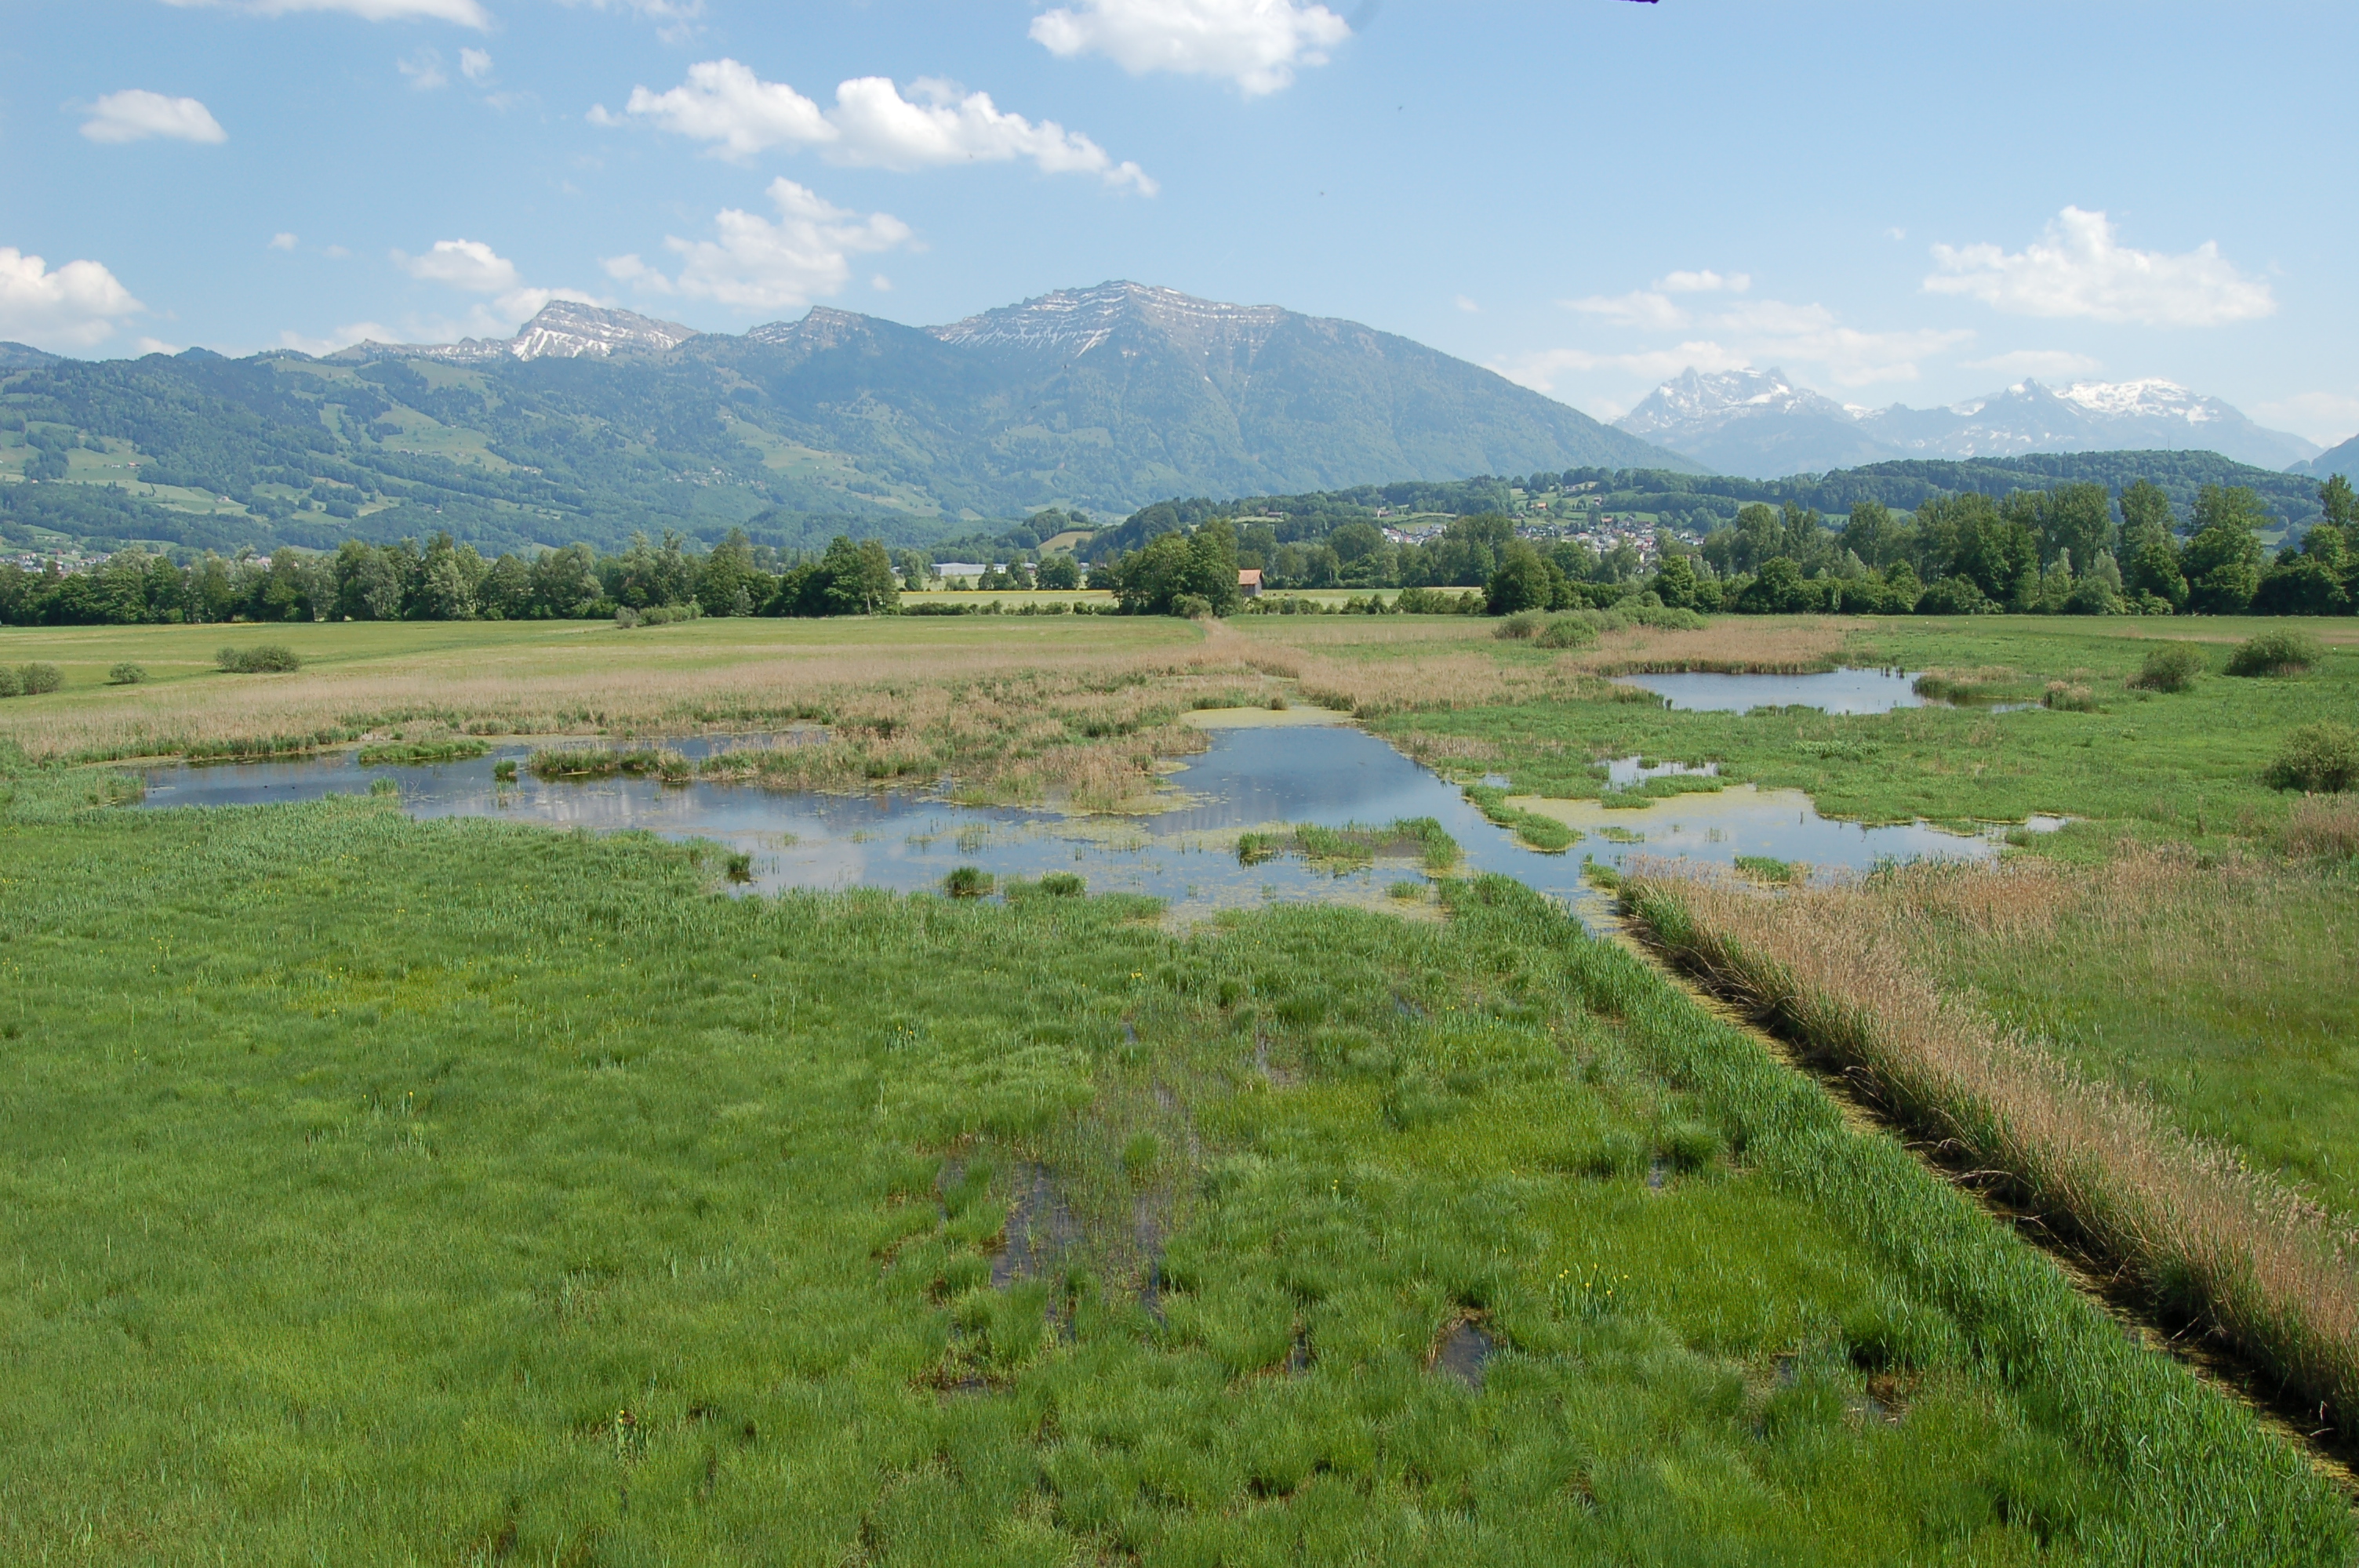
392	1178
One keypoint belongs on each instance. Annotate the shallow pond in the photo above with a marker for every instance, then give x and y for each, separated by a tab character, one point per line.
1831	691
1253	776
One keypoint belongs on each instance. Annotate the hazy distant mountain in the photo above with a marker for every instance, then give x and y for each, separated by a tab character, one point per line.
1757	422
592	424
564	330
16	356
2343	459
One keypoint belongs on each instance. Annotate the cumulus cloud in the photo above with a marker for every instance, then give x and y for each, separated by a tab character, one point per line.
78	303
135	114
871	124
2078	268
470	265
464	13
1257	44
282	241
1543	368
756	265
2056	364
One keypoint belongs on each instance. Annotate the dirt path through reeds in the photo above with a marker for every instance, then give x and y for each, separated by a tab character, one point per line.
2193	1254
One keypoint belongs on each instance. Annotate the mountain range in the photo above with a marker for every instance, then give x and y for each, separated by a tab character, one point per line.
592	424
1760	425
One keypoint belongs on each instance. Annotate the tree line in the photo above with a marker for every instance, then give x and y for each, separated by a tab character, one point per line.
444	580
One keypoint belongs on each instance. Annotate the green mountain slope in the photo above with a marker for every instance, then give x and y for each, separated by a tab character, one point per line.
592	425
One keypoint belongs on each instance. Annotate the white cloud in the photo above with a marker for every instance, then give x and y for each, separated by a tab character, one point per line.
80	303
1704	282
1468	305
2078	268
1257	44
470	265
282	241
424	69
155	346
757	265
724	102
475	64
2054	363
881	283
878	127
135	114
464	13
2326	418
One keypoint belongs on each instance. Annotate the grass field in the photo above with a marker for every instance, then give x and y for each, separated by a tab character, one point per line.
393	1192
381	1191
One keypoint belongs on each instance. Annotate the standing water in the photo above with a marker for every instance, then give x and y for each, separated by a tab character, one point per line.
1253	777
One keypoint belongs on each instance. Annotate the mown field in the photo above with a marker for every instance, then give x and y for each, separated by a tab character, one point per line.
382	1191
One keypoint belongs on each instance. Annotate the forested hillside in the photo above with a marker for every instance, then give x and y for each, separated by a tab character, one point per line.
1097	400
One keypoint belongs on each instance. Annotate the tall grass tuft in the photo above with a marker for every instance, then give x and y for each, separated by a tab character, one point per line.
2210	1241
2323	827
2280	651
606	761
968	881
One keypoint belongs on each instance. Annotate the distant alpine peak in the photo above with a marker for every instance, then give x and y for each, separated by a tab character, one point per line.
565	329
1758	423
1696	396
2150	398
1075	320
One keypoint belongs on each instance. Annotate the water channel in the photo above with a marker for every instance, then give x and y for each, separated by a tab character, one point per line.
1305	768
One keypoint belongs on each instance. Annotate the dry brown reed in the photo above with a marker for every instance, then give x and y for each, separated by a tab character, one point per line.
2323	827
1725	647
1840	972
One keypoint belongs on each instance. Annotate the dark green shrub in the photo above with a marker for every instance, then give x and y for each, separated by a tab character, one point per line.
11	683
2277	653
126	674
2318	759
967	881
2172	667
37	679
266	658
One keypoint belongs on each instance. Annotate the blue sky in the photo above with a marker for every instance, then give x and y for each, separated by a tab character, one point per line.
1914	203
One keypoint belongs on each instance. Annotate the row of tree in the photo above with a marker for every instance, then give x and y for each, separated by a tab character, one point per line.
2063	551
448	582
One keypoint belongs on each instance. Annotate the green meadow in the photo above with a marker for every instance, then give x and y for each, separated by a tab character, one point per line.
380	1191
377	1191
2186	765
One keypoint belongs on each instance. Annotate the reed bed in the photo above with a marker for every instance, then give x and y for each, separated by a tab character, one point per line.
2206	1241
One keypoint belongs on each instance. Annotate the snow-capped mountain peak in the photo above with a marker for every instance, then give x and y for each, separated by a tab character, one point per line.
1758	422
565	329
